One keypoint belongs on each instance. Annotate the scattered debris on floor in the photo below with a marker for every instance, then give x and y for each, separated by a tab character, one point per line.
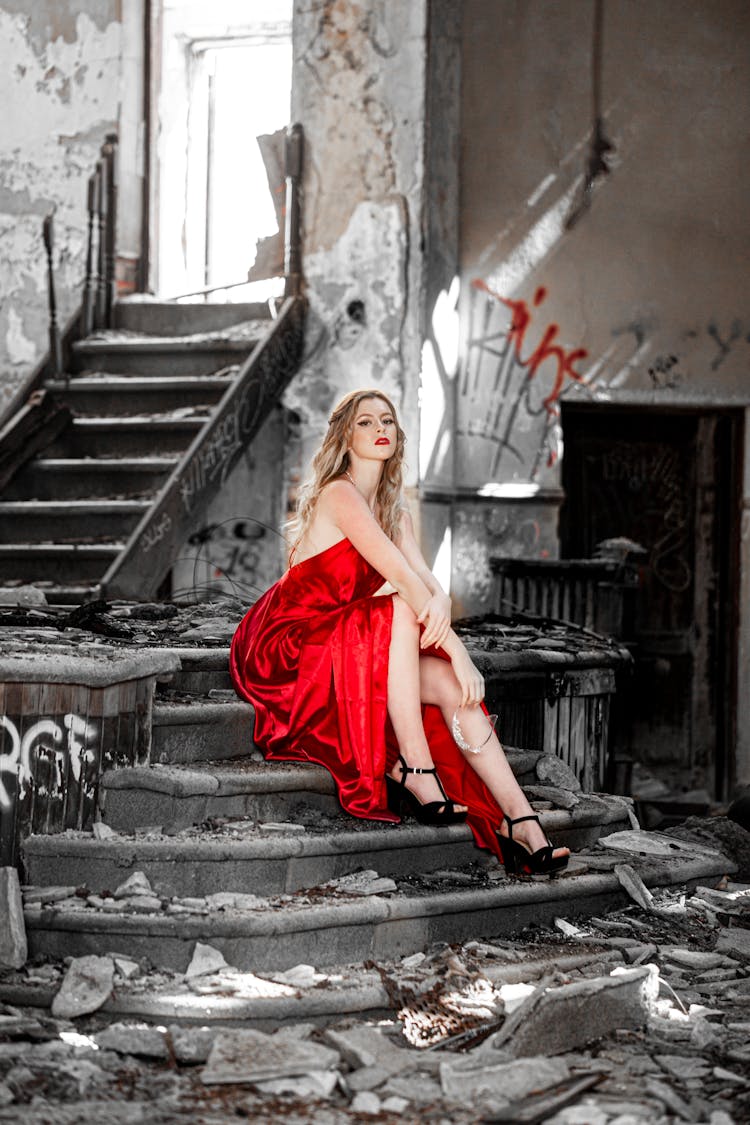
635	1017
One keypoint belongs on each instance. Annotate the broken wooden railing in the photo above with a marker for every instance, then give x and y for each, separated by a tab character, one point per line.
597	593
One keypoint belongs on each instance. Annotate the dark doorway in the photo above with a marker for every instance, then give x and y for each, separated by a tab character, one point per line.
669	481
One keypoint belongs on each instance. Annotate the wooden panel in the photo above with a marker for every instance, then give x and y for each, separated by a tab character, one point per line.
55	742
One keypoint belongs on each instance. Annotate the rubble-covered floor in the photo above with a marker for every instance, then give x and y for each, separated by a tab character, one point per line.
641	1016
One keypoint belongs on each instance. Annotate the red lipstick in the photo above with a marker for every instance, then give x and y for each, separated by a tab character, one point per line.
383	441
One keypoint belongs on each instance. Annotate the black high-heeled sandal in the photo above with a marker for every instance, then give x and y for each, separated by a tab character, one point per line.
433	812
519	860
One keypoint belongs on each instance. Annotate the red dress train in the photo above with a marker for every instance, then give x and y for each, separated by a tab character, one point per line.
312	657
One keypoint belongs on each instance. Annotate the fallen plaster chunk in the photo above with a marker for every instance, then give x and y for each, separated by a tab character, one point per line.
366	1102
656	844
300	976
314	1084
734	940
13	946
205	959
363	883
284	828
683	1067
234	900
554	1020
551	770
569	929
126	968
102	831
363	1046
367	1078
191	1045
141	904
631	881
693	958
724	902
395	1104
133	1039
561	798
47	894
22	595
496	1085
137	884
671	1100
86	986
251	1056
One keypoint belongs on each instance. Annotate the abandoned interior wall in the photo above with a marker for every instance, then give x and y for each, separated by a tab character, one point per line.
641	299
60	81
359	93
647	293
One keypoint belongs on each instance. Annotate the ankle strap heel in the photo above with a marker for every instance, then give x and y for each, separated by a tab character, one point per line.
433	812
518	859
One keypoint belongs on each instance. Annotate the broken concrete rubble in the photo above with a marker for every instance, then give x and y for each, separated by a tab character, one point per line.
252	1056
13	945
85	987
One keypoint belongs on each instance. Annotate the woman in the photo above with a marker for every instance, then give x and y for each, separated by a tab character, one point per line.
377	688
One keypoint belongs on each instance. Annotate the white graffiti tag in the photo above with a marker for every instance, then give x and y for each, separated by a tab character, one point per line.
18	759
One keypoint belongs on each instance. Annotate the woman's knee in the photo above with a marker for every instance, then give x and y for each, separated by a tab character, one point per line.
439	683
403	614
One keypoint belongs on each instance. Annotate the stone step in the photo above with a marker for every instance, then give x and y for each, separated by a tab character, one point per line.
172	318
108	394
129	436
200	730
75	521
72	563
154	356
202	670
332	928
244	856
89	478
57	594
176	797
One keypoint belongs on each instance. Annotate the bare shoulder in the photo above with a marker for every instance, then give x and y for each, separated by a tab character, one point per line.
337	494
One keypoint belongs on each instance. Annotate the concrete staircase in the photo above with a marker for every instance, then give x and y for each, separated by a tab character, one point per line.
140	395
209	818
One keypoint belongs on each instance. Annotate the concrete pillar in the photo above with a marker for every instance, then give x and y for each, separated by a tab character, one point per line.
359	92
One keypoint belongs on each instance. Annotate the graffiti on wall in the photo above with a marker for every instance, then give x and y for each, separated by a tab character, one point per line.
70	740
507	379
234	554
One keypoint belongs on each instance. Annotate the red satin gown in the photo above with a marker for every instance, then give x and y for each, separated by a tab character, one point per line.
311	655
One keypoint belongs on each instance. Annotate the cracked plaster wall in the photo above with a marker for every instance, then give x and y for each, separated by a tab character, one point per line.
651	281
60	67
359	93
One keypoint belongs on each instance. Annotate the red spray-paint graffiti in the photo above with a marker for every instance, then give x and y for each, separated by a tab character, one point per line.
509	387
545	350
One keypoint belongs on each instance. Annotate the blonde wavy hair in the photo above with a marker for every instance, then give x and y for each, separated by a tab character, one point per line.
332	460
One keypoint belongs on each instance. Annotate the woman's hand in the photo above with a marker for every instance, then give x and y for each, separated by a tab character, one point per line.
436	618
470	679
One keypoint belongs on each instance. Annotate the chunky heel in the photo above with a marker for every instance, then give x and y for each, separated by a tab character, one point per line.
433	812
519	860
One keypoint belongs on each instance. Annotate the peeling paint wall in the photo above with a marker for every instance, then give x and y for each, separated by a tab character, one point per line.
60	89
646	297
359	93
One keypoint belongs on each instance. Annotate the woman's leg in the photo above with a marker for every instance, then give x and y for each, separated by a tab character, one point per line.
438	685
404	703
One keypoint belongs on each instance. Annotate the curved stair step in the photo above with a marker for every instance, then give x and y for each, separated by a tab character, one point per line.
331	928
243	856
200	730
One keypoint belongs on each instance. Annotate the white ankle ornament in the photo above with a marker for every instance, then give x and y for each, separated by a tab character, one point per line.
459	739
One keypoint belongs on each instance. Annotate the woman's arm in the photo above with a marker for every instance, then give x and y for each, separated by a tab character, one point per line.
436	614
